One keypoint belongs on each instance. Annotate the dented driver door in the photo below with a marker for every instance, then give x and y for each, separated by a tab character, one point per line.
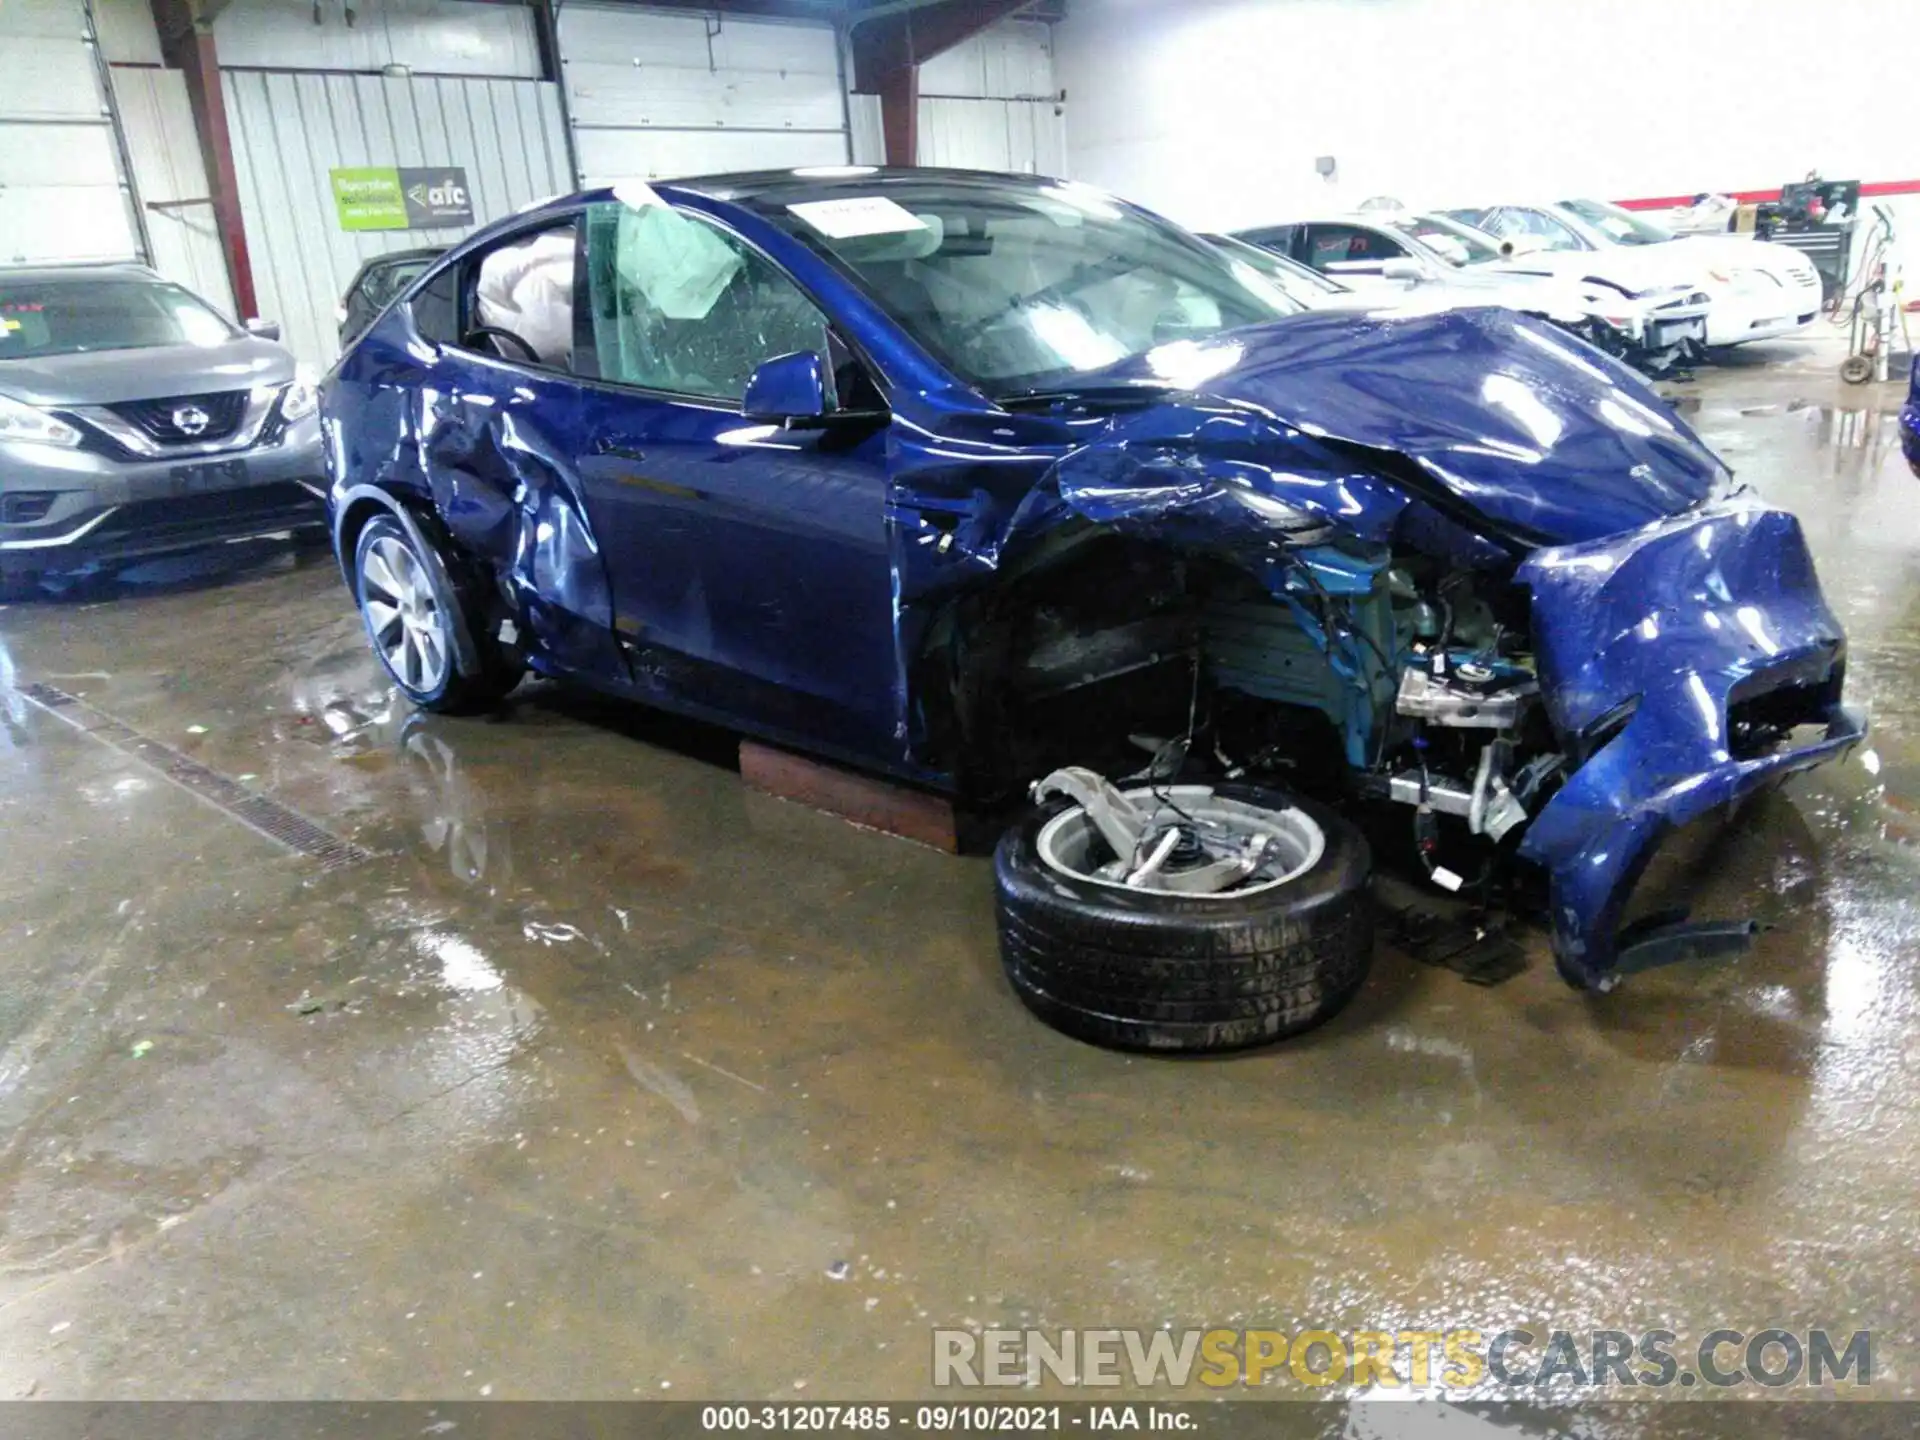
748	562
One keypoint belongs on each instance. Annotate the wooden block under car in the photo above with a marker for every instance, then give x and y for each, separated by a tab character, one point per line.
876	804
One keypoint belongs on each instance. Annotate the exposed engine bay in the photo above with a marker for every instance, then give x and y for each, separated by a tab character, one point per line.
1396	686
1373	677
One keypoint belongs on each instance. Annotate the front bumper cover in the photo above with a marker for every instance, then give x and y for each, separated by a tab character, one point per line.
1692	626
92	506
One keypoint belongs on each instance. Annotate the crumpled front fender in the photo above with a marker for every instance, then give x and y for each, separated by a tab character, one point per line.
1682	622
1227	478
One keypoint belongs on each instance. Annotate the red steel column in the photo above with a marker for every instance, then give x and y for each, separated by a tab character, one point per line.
186	41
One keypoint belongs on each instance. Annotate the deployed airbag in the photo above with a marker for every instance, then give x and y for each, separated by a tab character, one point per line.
681	266
527	290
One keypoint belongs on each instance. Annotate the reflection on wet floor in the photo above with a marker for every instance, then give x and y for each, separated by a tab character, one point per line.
608	1077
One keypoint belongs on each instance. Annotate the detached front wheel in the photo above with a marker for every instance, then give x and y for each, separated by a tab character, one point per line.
1135	962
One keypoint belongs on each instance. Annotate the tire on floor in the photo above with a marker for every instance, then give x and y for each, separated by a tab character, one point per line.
1148	970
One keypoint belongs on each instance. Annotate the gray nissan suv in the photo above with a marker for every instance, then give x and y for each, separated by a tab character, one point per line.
135	419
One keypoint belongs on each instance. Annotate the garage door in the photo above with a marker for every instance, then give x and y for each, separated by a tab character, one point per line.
654	94
63	194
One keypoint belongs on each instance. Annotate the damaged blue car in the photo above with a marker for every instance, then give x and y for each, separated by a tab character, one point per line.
1002	487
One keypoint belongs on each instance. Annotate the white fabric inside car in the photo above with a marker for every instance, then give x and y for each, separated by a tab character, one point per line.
680	265
527	289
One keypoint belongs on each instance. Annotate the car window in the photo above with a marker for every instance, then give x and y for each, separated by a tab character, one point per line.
436	307
682	306
1618	223
1448	238
523	287
1511	223
67	317
383	282
1302	287
1272	237
1348	244
1019	288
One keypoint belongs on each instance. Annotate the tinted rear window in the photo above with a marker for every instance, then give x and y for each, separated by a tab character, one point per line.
386	281
66	317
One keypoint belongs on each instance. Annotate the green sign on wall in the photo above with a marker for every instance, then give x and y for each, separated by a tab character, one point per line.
386	197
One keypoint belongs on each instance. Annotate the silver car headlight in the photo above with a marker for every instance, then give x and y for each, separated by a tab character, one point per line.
35	426
302	397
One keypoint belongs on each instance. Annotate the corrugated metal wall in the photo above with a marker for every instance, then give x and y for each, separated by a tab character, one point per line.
990	103
62	194
866	135
289	130
125	31
987	104
1009	61
1026	136
163	151
170	178
654	94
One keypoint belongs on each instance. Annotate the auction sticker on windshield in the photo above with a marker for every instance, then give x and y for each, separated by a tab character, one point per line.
846	219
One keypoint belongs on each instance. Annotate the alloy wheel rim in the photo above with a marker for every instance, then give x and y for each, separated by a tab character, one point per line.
1070	842
408	627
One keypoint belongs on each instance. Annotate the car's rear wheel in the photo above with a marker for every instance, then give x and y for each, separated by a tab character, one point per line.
1146	969
412	605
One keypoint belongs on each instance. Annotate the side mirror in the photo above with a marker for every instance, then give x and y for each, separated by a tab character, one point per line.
794	389
264	329
1403	269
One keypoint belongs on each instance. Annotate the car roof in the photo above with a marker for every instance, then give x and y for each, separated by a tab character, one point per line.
753	189
401	257
1378	218
56	274
776	185
1523	205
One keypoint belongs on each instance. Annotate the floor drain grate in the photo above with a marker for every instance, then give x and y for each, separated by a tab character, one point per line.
266	817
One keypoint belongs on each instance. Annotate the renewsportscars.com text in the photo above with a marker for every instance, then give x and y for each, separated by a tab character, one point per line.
1453	1360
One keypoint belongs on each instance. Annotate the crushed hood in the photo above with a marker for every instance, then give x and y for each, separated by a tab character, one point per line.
1522	425
105	377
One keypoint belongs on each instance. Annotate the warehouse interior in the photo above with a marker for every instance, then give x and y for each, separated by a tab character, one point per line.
579	1049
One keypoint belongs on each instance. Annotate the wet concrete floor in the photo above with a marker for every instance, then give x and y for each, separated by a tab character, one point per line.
606	1078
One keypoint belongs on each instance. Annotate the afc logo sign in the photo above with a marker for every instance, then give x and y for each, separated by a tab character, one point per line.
436	196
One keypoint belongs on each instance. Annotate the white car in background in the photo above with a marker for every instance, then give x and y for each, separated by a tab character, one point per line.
1760	291
1306	288
1622	307
1313	291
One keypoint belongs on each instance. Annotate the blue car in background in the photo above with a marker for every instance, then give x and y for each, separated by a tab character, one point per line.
1910	420
1002	487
